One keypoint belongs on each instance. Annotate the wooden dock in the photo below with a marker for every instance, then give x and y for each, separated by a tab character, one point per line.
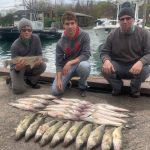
96	83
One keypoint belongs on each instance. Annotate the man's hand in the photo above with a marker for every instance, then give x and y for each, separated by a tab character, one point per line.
20	64
59	85
38	61
136	68
66	68
107	67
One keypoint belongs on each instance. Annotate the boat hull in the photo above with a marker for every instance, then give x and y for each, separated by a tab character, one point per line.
11	34
102	32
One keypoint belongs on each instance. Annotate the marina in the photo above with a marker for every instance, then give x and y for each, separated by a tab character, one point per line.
49	46
132	113
104	26
10	34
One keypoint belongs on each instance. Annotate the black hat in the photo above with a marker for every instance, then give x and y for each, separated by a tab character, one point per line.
126	9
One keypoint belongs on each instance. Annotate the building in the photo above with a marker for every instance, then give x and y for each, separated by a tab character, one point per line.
83	19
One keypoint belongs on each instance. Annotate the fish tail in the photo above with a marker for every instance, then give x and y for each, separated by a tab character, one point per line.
78	147
42	143
89	147
45	59
27	138
36	139
65	144
53	144
6	63
18	137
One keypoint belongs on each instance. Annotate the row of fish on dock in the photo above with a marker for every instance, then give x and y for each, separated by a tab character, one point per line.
53	132
74	109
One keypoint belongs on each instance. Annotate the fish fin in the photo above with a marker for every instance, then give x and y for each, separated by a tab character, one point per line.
5	63
32	66
129	125
45	59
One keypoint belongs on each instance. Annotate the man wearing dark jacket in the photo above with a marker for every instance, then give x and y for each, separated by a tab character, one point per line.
72	54
126	54
27	44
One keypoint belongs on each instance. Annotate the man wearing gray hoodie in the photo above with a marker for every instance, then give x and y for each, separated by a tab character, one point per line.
126	54
72	54
27	44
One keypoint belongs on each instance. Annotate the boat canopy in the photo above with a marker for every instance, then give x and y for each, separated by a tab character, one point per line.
36	25
119	2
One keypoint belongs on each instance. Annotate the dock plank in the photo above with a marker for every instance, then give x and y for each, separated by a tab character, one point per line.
94	82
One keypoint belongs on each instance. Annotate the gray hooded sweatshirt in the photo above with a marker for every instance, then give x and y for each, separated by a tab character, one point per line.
127	48
68	49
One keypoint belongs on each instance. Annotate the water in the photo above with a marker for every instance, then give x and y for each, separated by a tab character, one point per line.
49	52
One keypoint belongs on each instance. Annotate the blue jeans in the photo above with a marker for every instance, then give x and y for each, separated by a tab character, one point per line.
81	70
122	72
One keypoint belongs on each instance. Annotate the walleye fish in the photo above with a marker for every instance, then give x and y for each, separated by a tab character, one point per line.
33	104
67	111
114	114
59	136
48	135
95	137
73	132
66	103
30	99
100	108
56	106
44	96
42	129
107	140
61	102
111	107
23	106
33	127
60	114
105	112
76	101
98	120
111	118
83	135
23	125
64	106
117	138
30	60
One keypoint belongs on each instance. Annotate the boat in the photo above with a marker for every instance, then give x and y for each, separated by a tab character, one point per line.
104	26
12	33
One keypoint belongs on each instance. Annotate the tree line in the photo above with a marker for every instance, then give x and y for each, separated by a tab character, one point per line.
102	9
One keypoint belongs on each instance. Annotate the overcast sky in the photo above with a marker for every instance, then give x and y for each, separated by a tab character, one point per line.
10	3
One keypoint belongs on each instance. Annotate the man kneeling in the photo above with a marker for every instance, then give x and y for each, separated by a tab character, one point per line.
27	44
72	54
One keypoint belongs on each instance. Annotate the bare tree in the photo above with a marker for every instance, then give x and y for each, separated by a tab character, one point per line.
37	4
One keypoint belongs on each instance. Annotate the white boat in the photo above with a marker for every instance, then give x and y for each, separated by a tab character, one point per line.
104	26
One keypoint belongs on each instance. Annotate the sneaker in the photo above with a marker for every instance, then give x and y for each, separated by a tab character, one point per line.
34	86
116	93
82	92
69	85
8	80
135	94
